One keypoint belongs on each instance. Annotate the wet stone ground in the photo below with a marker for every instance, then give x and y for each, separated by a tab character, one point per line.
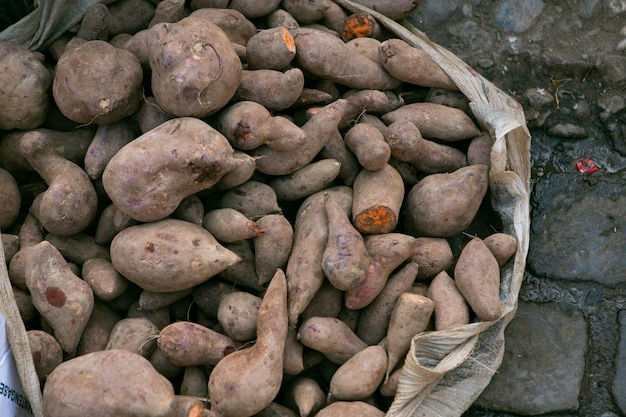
566	63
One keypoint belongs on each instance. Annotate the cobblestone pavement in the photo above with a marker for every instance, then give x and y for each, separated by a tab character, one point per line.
566	63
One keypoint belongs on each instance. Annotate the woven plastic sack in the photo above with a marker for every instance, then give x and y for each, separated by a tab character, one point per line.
445	371
47	22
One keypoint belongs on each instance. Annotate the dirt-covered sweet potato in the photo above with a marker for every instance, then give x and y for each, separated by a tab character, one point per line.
359	376
393	9
126	383
195	69
150	176
169	255
95	82
24	88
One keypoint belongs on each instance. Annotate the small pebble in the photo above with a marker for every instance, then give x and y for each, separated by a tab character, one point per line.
568	131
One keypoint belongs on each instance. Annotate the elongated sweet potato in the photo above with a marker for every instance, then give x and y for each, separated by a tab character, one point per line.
248	380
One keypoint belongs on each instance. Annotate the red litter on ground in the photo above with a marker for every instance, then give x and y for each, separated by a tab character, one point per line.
586	166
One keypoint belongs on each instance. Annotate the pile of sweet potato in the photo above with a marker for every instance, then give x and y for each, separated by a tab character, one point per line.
231	208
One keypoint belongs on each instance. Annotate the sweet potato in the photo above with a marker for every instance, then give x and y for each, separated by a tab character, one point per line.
378	197
134	388
168	11
318	129
359	376
24	88
271	48
477	276
95	23
243	273
252	198
503	246
136	335
333	17
229	225
129	16
160	317
387	252
46	351
237	313
374	318
305	11
243	171
293	355
185	343
350	408
78	248
305	396
71	145
281	17
63	299
479	149
327	302
69	204
433	255
106	142
105	282
451	309
248	380
149	300
11	197
442	205
111	221
320	53
360	25
369	100
10	245
332	337
236	26
368	145
150	115
407	144
98	329
248	125
276	410
345	260
335	148
97	83
276	90
368	47
304	268
397	57
169	255
305	181
195	69
435	121
195	382
148	178
272	246
410	316
190	209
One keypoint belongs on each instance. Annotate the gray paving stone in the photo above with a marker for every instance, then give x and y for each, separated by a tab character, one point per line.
619	384
544	361
577	228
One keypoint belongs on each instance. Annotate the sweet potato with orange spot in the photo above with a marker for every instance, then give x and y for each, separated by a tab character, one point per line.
272	48
378	197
